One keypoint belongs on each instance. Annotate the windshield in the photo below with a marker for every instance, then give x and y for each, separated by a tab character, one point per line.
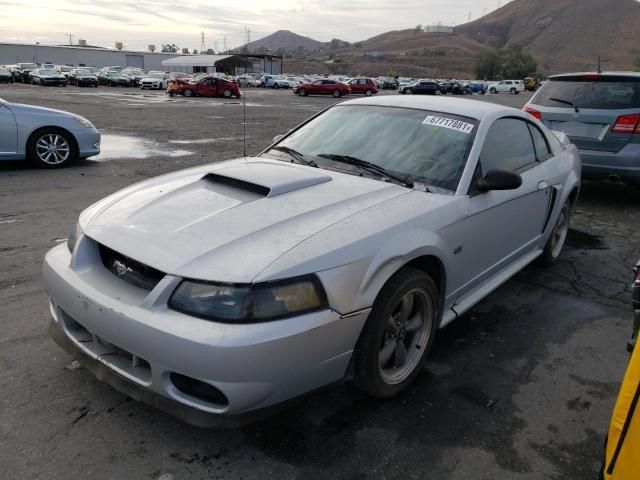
83	72
155	75
65	69
47	72
27	66
430	147
584	92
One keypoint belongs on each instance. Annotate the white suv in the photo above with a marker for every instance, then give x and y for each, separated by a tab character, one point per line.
511	86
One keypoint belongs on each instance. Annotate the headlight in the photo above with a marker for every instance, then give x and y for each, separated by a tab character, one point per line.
74	234
229	303
83	121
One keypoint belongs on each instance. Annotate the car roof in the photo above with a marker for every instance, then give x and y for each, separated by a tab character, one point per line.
457	106
607	74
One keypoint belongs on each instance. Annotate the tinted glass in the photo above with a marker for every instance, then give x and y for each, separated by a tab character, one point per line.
605	93
397	139
508	146
540	143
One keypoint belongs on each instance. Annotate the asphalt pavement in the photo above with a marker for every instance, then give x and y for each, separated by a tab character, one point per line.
521	387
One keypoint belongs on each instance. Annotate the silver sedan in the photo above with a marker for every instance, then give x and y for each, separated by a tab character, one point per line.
335	254
49	138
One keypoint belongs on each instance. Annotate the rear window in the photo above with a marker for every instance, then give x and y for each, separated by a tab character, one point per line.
585	92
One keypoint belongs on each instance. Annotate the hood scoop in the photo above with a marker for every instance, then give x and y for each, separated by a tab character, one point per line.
266	179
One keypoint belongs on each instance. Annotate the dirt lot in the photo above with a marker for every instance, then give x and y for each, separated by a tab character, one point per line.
519	388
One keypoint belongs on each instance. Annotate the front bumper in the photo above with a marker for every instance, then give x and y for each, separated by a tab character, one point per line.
82	82
624	164
153	85
253	365
54	83
88	142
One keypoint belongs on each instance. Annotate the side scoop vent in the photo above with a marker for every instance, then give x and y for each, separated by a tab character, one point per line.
238	184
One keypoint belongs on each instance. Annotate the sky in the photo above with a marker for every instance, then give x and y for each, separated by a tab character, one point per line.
139	23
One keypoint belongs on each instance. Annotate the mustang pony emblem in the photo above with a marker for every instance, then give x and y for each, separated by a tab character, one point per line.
121	268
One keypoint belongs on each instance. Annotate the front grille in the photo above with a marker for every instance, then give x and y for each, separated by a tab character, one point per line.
130	270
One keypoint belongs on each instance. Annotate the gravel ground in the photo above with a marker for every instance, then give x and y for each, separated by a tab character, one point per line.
521	387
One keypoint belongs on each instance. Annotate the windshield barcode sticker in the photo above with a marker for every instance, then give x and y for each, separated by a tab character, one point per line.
458	125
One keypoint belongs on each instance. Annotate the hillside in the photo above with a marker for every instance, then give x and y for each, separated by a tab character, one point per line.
284	39
564	35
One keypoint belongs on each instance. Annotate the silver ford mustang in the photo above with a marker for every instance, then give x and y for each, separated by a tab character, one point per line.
49	138
335	254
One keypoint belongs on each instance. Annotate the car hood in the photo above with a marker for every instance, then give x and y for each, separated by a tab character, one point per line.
31	109
228	221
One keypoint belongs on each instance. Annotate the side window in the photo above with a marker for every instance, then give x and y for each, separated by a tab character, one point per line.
543	152
508	146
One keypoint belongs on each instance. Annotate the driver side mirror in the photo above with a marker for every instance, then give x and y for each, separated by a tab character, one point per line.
277	138
499	180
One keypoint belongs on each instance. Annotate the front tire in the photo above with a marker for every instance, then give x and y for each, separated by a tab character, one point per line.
493	90
398	334
302	92
368	93
227	93
188	92
52	148
336	93
555	243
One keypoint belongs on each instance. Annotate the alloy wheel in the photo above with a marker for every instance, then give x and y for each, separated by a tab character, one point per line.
407	332
52	149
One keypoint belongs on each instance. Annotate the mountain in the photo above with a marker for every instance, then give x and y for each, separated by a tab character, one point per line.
283	40
564	35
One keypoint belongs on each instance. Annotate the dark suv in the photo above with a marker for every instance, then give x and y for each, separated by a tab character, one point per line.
600	113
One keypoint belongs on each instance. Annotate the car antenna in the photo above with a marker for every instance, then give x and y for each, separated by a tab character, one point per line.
599	65
244	123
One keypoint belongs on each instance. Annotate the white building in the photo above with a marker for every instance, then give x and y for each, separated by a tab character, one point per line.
11	53
438	29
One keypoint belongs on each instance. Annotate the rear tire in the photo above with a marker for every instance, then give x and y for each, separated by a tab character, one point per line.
398	334
336	93
513	91
368	93
555	243
227	93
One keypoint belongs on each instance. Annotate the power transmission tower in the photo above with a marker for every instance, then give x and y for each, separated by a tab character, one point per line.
224	39
70	41
203	47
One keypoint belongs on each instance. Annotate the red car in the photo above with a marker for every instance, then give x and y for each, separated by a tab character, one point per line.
324	86
363	86
204	87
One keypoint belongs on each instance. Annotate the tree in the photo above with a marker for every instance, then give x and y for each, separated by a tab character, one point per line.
418	28
508	62
170	48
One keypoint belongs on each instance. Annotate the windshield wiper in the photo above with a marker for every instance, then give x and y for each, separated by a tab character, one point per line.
407	181
295	154
566	102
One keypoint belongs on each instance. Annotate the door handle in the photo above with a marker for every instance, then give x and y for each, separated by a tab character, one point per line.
543	185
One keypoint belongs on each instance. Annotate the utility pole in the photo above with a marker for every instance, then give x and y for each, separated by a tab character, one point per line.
469	16
70	41
224	39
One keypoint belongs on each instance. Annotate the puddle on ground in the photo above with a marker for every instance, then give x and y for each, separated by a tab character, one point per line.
201	141
584	240
121	146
